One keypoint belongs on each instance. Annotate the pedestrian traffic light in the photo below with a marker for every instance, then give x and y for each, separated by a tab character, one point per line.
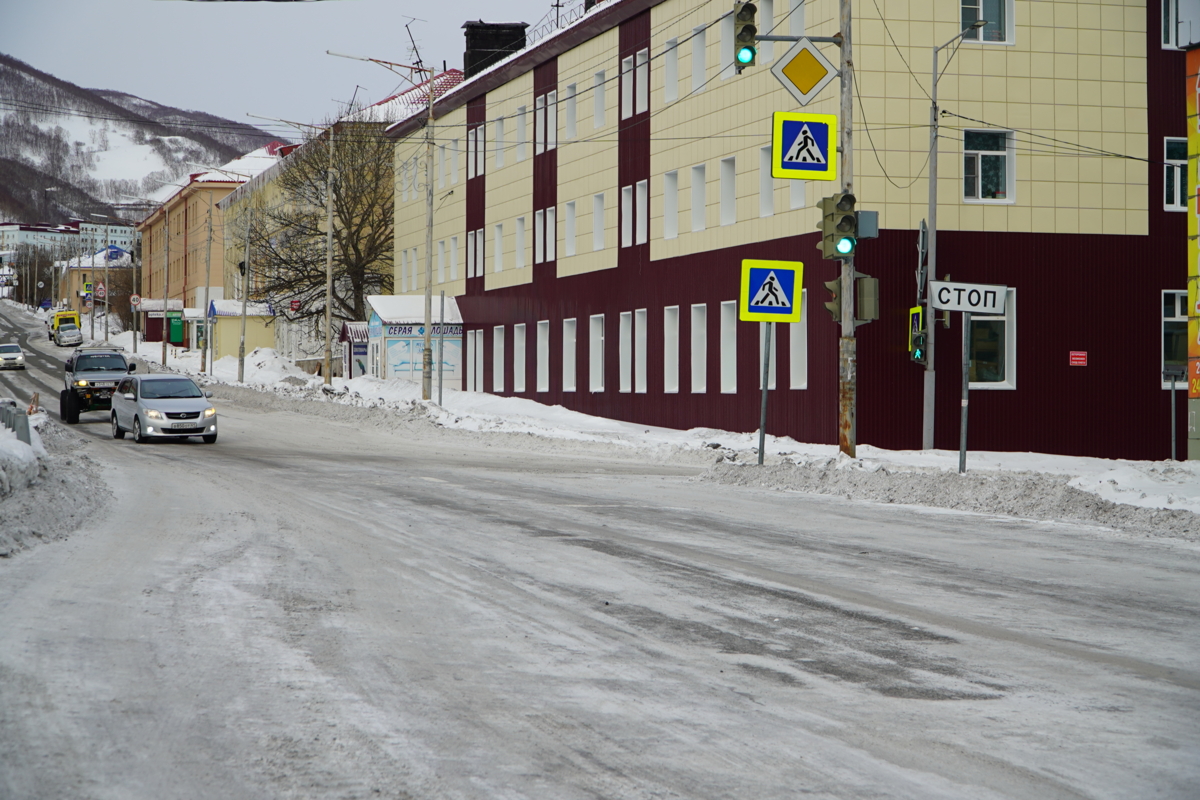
919	353
745	29
834	304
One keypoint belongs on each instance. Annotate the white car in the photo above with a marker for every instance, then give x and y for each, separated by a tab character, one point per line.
12	356
162	406
68	335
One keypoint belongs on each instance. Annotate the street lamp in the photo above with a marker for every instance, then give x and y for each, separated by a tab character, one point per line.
931	268
106	218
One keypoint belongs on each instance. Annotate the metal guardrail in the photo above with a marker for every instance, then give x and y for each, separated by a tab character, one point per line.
15	419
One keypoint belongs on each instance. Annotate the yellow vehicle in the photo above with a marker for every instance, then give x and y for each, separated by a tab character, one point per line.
59	317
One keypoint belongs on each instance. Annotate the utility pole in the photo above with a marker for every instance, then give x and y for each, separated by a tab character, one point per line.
847	344
207	283
245	294
328	263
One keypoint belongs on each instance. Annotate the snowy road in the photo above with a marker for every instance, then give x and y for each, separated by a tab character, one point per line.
317	609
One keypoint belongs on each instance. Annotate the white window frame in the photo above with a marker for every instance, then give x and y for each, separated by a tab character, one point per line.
519	358
522	133
551	233
499	137
539	124
479	360
598	222
498	247
470	254
626	216
1180	302
671	349
641	212
596	353
1010	168
766	24
1177	169
699	349
571	122
728	67
539	222
729	190
1010	346
699	59
671	204
641	81
543	355
441	167
798	347
796	18
975	36
729	315
551	120
627	87
519	246
699	198
771	366
498	358
639	351
625	353
671	71
441	251
598	101
797	194
569	371
569	234
766	184
453	258
454	161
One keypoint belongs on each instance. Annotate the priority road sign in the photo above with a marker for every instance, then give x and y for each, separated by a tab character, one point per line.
804	146
771	291
804	71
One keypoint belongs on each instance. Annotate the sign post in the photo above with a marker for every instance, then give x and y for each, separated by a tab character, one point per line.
771	292
968	298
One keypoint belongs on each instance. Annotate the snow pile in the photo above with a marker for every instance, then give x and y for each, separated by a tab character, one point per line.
264	366
18	462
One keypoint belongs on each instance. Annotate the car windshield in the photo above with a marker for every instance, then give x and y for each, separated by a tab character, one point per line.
9	348
170	389
101	362
67	328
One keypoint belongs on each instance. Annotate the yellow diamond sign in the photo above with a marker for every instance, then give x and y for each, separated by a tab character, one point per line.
804	71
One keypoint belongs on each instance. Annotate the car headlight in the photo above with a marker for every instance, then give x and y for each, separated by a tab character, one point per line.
210	412
152	414
81	383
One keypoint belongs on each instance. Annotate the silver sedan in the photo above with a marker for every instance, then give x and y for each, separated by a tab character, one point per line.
68	336
12	356
162	406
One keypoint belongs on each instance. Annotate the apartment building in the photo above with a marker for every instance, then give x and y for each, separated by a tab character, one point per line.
597	191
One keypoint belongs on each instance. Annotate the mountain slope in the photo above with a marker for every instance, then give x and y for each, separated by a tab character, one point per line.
102	144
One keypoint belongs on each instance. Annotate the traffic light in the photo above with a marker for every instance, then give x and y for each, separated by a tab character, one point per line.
919	353
834	304
839	226
745	28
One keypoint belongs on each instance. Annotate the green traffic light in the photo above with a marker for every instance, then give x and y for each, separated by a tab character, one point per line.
745	55
845	245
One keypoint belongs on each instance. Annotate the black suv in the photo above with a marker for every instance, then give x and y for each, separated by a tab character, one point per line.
92	374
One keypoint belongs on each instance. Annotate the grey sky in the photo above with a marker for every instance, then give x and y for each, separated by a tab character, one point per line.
235	57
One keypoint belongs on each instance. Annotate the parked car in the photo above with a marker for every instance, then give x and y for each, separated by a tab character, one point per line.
163	405
61	318
12	356
68	335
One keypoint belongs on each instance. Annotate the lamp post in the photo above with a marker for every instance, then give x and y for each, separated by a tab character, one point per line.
106	218
931	263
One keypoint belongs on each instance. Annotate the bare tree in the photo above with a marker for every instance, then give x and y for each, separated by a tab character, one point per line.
289	237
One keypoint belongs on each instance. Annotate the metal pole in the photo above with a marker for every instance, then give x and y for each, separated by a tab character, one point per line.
92	313
966	389
245	294
931	270
847	345
106	282
441	345
207	282
166	280
328	370
766	374
1173	416
427	356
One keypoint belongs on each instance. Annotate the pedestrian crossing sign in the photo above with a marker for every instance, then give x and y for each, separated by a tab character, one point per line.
804	146
771	291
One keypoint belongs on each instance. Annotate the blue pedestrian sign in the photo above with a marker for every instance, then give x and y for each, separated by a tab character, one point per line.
804	146
771	291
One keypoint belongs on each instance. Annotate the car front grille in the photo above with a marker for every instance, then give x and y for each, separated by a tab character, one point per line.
183	415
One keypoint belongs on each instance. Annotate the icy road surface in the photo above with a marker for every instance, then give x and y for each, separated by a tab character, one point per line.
314	609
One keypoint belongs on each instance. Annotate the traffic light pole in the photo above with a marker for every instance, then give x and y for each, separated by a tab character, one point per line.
847	344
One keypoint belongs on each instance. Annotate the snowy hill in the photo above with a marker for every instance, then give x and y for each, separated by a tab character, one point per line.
91	146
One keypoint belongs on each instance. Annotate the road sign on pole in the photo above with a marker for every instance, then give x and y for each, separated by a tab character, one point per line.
101	291
973	298
804	146
804	71
771	291
135	300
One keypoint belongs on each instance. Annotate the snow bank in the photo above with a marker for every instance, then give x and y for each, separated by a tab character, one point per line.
18	463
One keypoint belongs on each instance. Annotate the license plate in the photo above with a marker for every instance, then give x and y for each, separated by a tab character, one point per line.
183	424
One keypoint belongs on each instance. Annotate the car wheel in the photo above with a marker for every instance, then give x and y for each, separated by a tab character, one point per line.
118	432
137	431
62	405
209	438
72	407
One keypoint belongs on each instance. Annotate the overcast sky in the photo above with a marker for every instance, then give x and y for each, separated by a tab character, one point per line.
230	58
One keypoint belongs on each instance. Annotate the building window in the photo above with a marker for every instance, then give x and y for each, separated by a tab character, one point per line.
474	346
569	100
598	222
521	133
442	261
499	136
625	353
479	360
997	13
766	183
498	358
699	202
671	204
539	127
569	234
470	254
545	122
639	351
699	348
454	160
766	24
798	347
798	195
498	247
598	109
626	216
519	357
641	213
441	166
626	87
1174	334
519	245
453	258
728	67
568	359
762	343
539	222
551	234
641	82
728	191
698	56
551	120
671	349
988	172
993	355
671	71
543	355
476	146
729	314
1175	156
596	353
